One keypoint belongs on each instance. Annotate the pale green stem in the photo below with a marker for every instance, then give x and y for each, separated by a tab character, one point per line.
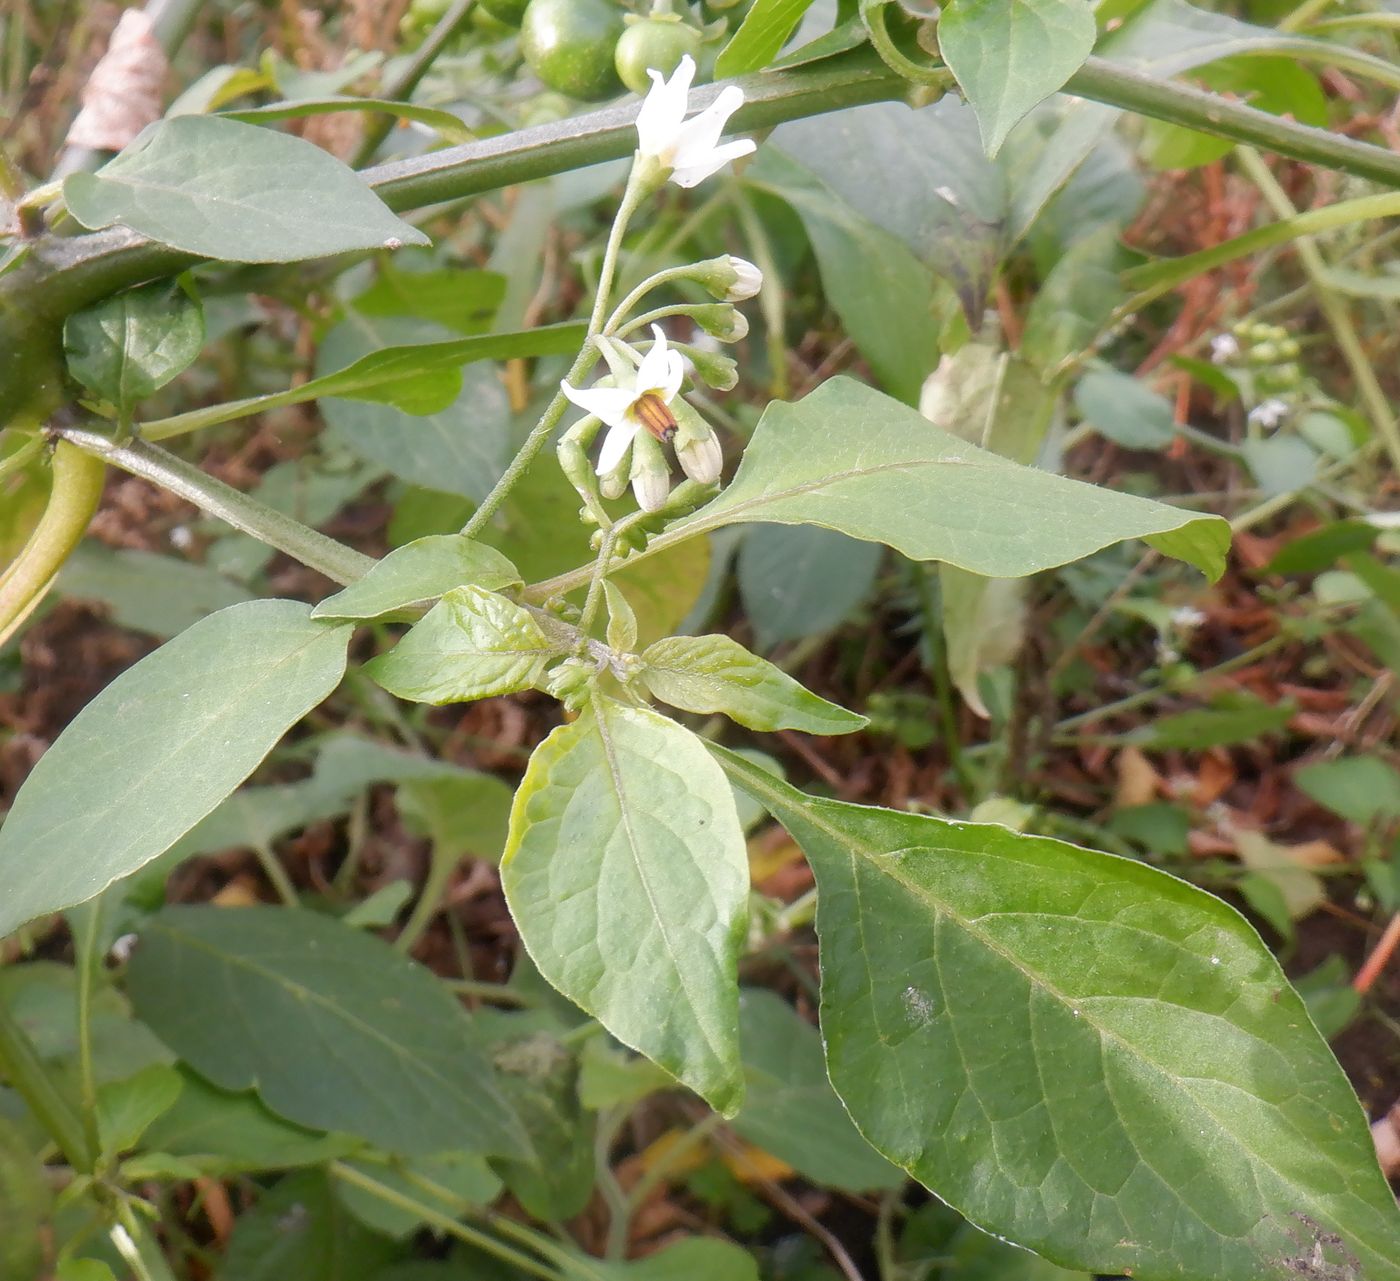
1332	305
1304	14
632	196
22	457
442	1222
594	600
342	564
27	1074
772	302
440	866
277	874
86	922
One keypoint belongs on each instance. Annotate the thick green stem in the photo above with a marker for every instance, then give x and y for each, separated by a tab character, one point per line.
86	924
336	561
27	1074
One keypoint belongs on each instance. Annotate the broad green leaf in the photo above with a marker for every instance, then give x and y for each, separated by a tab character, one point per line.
850	459
688	1260
802	580
1362	789
464	1174
1119	407
126	1109
232	191
451	429
884	296
984	627
717	674
471	644
1009	55
223	1133
333	1027
133	343
461	813
25	1200
419	572
393	375
1061	1043
300	1229
791	1111
1239	719
463	299
627	877
146	592
764	31
449	127
159	748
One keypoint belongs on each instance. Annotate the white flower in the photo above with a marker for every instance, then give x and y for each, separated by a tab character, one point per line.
1187	618
644	406
689	149
1224	348
1269	413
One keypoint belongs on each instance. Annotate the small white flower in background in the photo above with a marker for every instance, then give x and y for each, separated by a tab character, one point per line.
1269	413
689	150
123	947
1187	618
643	406
1224	348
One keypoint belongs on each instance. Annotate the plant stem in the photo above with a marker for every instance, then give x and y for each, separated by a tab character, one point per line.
77	489
336	561
1333	307
28	1075
440	866
442	1222
86	923
407	81
276	874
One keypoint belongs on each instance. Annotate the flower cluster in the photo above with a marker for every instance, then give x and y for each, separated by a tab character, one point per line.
640	400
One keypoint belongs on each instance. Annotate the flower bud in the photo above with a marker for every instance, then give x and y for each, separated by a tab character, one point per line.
702	459
720	320
728	278
719	372
651	478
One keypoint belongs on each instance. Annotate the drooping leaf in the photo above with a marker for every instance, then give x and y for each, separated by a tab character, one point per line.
418	572
160	595
764	30
802	580
850	459
159	748
333	1027
226	190
1106	1040
717	674
130	345
791	1111
627	877
471	644
1010	55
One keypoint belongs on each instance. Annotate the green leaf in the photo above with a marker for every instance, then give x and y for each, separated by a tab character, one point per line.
627	877
132	344
301	1229
159	595
471	644
235	192
1362	789
392	374
717	674
1239	719
791	1111
450	431
463	299
1010	55
764	31
223	1133
449	127
1076	301
333	1027
1104	1039
802	580
419	572
850	459
1119	407
24	1207
159	748
126	1109
687	1260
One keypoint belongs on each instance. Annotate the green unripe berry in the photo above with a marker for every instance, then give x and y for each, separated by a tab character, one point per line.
658	44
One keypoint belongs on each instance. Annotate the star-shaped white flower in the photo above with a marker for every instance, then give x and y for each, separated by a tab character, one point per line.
690	149
643	405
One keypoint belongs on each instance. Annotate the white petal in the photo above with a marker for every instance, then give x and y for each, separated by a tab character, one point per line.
609	403
702	460
700	133
695	172
615	445
651	489
663	109
675	375
652	372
